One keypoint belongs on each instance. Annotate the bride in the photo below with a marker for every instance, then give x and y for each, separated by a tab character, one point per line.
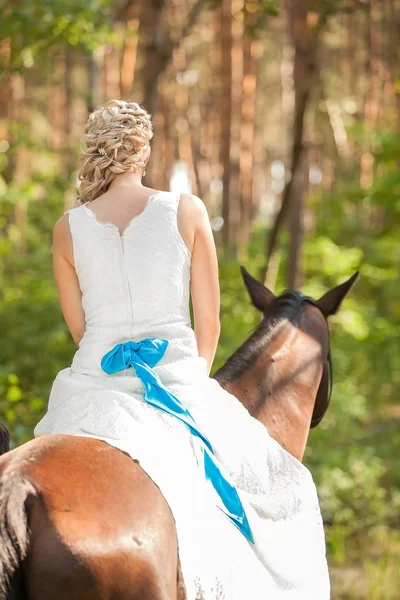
127	259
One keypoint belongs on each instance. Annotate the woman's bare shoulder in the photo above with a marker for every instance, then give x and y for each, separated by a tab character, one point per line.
62	240
61	227
192	207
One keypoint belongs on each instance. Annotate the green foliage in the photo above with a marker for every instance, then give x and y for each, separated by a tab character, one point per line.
257	14
36	341
34	27
354	454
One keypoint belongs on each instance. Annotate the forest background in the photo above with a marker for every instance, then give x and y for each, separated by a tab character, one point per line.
284	117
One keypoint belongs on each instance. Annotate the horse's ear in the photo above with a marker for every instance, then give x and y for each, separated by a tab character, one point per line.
329	303
261	296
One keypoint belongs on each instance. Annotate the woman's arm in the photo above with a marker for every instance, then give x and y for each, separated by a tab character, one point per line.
205	289
66	279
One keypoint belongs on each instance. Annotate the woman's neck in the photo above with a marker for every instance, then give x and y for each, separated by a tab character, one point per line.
127	179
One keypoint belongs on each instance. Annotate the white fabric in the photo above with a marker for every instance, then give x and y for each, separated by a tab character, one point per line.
136	285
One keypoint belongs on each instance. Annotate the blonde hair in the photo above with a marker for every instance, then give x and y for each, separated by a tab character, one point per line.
117	136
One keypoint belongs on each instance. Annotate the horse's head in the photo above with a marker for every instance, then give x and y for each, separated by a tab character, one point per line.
283	372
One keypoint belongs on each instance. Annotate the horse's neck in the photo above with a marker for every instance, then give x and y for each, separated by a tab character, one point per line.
286	413
279	390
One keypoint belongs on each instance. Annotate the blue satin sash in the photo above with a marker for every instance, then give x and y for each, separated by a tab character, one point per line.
144	355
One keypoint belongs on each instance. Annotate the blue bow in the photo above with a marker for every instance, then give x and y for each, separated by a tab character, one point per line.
144	355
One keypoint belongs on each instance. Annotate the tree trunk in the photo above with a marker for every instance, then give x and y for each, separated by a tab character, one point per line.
165	147
156	47
21	161
247	138
93	78
211	137
152	38
296	226
395	56
236	123
372	98
305	26
10	96
67	113
182	120
226	115
129	56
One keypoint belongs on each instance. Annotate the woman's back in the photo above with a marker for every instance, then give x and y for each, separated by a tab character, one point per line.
121	265
135	280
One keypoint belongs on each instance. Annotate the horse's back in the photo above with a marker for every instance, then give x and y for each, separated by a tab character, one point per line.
99	526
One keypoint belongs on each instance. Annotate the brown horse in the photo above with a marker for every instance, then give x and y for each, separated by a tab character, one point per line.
80	519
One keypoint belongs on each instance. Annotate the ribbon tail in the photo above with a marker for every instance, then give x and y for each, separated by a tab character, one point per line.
229	496
157	395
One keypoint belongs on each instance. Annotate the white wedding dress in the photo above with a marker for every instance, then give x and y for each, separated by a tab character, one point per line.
136	285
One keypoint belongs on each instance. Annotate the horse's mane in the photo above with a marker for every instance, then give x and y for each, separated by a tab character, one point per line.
284	308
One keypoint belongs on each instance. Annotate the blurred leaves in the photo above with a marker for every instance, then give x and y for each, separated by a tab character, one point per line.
36	26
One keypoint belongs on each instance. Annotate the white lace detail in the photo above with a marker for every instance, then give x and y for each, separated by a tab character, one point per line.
136	285
115	227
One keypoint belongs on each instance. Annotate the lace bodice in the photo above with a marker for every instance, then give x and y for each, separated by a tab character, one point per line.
134	284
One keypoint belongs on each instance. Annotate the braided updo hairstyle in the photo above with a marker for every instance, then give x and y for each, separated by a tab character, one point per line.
117	136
